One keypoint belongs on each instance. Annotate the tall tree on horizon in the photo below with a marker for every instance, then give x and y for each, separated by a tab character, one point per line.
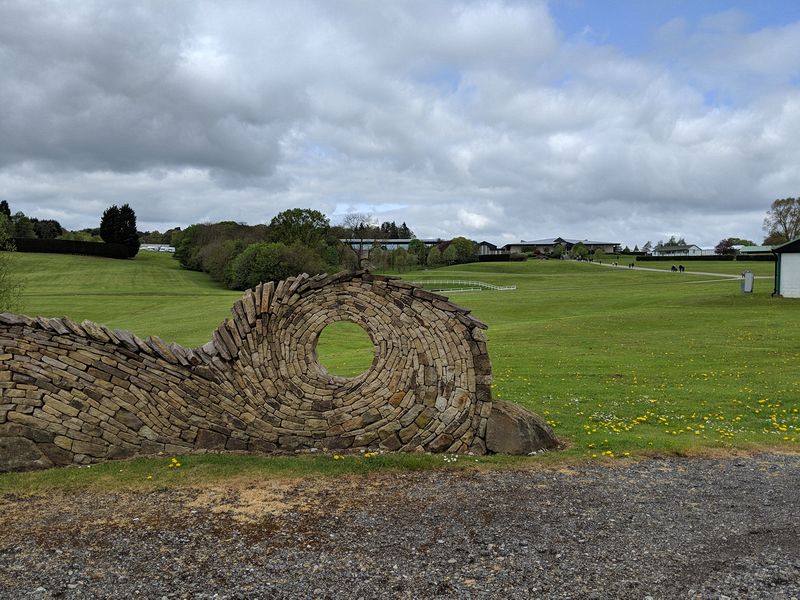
10	284
782	222
118	226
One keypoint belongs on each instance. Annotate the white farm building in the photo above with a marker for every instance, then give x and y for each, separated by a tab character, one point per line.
787	269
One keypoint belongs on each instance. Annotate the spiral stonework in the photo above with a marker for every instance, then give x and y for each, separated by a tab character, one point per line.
81	393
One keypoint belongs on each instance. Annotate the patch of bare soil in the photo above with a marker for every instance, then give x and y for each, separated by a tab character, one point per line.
666	528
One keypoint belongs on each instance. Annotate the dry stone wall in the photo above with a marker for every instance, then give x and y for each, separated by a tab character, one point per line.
81	393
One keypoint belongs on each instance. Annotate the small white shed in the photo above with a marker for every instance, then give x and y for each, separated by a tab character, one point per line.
787	269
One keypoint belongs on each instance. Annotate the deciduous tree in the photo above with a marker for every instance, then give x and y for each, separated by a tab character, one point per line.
782	222
10	285
418	248
450	254
464	249
725	247
434	258
21	226
357	226
299	225
579	250
272	262
47	229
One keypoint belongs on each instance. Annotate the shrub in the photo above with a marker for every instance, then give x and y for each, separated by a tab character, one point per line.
217	257
271	262
434	257
200	247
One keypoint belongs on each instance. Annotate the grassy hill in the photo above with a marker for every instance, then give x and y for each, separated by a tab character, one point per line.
618	360
149	295
622	360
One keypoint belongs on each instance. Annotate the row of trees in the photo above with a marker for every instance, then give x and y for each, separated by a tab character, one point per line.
303	240
457	250
782	224
20	225
10	285
238	255
117	225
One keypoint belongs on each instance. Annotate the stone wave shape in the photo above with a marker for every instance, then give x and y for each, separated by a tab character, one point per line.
82	393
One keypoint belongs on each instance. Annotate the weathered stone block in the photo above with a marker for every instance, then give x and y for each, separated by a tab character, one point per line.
209	440
236	444
391	442
89	448
21	454
441	443
511	429
128	419
261	446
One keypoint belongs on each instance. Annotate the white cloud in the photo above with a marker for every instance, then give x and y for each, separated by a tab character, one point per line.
461	118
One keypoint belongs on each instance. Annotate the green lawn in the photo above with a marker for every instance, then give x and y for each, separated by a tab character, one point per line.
618	360
621	360
759	268
149	295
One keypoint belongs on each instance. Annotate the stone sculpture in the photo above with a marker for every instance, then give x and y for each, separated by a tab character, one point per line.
81	393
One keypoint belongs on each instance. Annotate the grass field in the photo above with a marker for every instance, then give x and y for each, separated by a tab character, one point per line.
149	295
620	361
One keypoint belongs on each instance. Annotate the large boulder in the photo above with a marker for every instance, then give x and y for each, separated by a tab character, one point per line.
512	429
21	454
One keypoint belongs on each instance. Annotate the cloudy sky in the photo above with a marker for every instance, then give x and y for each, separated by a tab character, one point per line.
619	120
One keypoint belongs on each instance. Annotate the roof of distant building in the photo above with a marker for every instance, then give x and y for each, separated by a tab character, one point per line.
752	249
792	246
559	240
675	248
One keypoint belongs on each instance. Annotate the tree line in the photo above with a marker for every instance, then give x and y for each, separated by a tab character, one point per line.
117	226
302	240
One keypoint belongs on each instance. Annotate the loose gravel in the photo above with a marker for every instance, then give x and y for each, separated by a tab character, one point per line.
657	528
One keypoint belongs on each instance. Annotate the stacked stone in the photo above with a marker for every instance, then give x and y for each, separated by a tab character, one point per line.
81	393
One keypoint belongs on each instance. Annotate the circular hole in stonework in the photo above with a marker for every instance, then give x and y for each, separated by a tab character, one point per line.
344	349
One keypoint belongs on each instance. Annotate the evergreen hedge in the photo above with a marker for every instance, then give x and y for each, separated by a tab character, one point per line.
71	247
494	257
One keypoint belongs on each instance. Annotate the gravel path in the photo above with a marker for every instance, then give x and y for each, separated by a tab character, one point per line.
656	270
659	528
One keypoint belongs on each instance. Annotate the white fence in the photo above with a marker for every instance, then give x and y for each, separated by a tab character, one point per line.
466	286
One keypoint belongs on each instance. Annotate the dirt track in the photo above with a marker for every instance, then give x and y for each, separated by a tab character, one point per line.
676	528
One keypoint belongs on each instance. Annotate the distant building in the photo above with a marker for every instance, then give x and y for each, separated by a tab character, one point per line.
754	250
366	244
787	269
157	247
679	250
485	247
545	246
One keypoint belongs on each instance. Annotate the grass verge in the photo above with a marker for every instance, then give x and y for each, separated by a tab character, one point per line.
619	361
